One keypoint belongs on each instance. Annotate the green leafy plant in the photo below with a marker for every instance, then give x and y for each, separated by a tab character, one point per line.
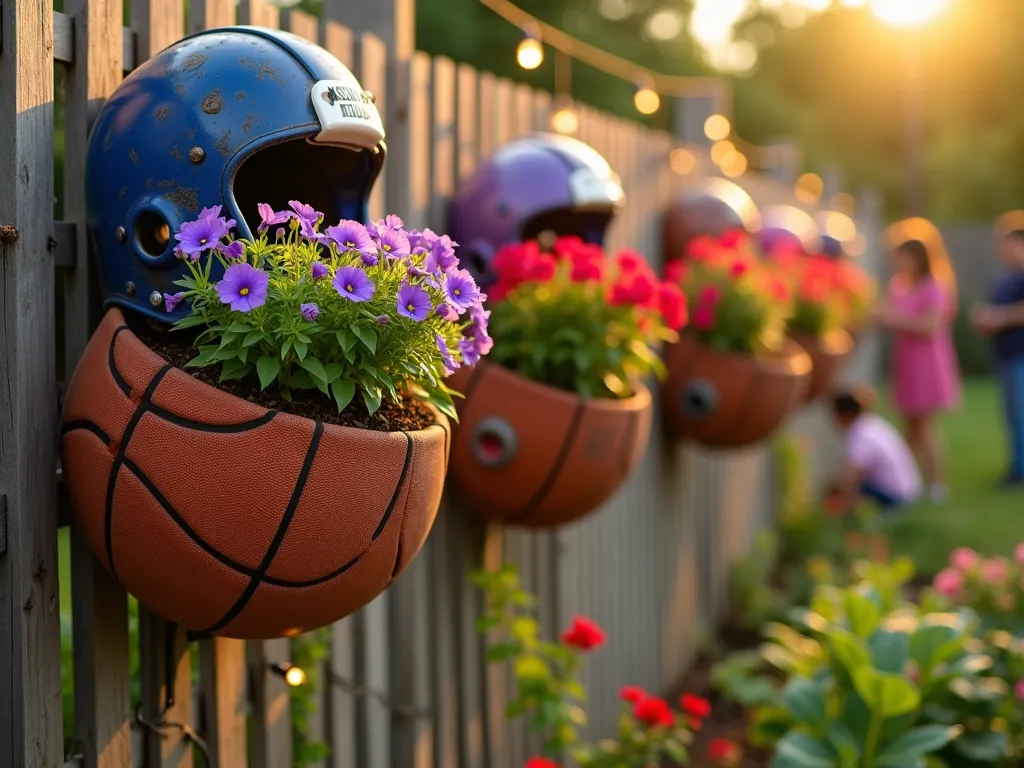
578	321
379	312
549	693
737	304
309	651
741	678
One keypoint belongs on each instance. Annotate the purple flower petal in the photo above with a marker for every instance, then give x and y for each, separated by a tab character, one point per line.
172	300
350	235
413	302
450	363
319	270
269	217
382	320
470	352
462	289
233	250
393	243
310	311
442	255
447	311
354	284
194	237
309	218
243	287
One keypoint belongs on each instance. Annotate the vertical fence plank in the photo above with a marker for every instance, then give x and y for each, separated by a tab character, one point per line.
157	24
166	747
504	122
224	690
259	13
210	14
341	711
372	69
300	23
337	40
487	114
441	138
524	110
541	111
99	604
466	124
30	700
270	725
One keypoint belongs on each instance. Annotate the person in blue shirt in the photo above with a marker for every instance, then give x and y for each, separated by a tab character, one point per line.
1002	318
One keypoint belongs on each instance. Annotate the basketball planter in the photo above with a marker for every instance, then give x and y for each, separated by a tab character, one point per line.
730	399
229	518
529	454
556	421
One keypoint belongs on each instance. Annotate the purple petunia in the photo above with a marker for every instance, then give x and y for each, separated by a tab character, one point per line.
451	365
447	311
354	284
234	250
470	352
461	289
243	287
309	218
310	311
413	302
201	234
382	320
213	213
172	300
393	243
413	271
391	221
442	255
269	217
352	236
421	242
319	270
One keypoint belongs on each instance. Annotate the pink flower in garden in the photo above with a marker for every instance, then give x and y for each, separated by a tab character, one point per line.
996	570
1018	690
964	559
703	317
1018	555
949	582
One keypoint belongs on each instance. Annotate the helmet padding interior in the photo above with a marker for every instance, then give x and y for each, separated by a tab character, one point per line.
334	180
589	225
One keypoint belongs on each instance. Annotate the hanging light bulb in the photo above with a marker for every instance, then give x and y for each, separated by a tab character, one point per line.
717	127
530	53
293	675
564	119
646	99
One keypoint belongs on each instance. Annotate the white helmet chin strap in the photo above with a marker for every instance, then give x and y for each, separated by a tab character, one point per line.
347	115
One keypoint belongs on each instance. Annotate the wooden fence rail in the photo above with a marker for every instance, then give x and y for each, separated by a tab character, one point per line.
405	682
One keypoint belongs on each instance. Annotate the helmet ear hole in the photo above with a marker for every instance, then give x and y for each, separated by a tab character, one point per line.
152	233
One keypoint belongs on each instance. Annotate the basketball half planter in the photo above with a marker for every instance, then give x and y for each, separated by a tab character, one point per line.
550	431
226	514
733	377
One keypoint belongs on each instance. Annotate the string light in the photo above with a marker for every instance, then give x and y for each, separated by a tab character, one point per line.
563	118
530	53
736	166
809	188
840	226
646	99
682	161
722	150
717	127
293	675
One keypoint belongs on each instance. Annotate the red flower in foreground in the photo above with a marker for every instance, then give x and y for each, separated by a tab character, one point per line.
653	711
540	762
695	706
724	752
584	634
704	317
732	238
634	694
672	305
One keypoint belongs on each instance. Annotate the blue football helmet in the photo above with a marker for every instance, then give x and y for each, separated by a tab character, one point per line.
231	117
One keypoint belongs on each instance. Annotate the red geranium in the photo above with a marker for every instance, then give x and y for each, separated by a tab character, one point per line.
584	634
672	305
632	693
653	711
724	752
695	706
540	762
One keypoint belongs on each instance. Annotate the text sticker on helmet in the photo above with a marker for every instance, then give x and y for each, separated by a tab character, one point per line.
347	115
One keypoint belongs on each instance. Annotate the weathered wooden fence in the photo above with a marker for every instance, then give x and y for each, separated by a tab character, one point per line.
406	681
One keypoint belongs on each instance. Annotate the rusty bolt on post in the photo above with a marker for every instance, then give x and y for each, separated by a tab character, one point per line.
8	233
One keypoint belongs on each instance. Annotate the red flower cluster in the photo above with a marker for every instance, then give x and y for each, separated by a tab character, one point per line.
634	282
540	762
584	634
724	752
696	708
653	711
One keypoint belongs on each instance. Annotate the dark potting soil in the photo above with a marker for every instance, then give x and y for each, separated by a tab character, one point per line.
175	347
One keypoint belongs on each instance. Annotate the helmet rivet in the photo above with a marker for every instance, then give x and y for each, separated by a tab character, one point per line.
155	298
369	95
129	288
196	155
119	234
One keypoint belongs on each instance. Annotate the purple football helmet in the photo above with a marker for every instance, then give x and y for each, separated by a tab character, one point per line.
527	189
786	227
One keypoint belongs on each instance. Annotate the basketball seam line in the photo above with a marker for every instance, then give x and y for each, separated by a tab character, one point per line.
88	426
282	529
118	378
398	489
398	549
239	568
198	426
556	468
119	457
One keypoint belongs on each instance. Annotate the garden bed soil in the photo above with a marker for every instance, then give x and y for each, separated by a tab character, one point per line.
409	415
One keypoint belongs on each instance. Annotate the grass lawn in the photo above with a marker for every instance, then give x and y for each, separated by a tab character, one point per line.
977	515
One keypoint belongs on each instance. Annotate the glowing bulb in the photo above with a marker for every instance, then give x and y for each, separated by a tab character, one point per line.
564	121
717	127
682	161
530	53
647	102
809	188
840	226
721	150
292	674
907	13
737	166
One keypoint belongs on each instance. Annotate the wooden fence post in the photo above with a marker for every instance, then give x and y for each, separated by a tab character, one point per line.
30	685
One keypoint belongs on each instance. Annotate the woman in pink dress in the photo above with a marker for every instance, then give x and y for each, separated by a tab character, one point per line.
920	308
